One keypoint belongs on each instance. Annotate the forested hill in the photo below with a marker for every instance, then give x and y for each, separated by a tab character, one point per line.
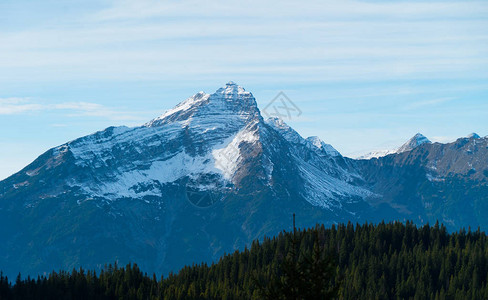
384	261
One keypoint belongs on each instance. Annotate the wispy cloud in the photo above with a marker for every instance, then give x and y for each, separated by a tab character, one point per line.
10	106
142	9
287	40
16	106
428	103
96	110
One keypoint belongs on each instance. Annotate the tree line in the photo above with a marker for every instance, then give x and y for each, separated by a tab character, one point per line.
346	261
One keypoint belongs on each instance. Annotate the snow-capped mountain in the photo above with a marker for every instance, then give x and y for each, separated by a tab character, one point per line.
417	140
209	176
473	135
202	170
199	137
206	135
413	143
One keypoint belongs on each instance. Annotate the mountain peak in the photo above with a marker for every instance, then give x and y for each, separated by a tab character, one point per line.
229	101
417	140
316	142
232	89
473	136
286	131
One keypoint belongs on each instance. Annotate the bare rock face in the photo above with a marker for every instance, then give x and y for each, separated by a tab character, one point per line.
208	177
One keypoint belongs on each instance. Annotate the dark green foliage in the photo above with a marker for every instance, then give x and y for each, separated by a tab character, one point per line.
384	261
302	275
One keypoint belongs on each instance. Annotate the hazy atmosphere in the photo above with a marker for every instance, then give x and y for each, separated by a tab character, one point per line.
366	75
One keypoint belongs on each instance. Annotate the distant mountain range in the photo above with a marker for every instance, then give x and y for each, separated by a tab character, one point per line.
412	143
211	175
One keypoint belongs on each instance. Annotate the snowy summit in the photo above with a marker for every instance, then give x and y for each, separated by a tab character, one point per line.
417	140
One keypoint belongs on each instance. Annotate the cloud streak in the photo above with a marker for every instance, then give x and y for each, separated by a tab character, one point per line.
428	103
17	106
319	41
143	9
10	106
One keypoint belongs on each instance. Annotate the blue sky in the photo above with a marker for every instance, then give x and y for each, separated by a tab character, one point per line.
366	74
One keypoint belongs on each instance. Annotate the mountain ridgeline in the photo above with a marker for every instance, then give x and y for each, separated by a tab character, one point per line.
210	176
